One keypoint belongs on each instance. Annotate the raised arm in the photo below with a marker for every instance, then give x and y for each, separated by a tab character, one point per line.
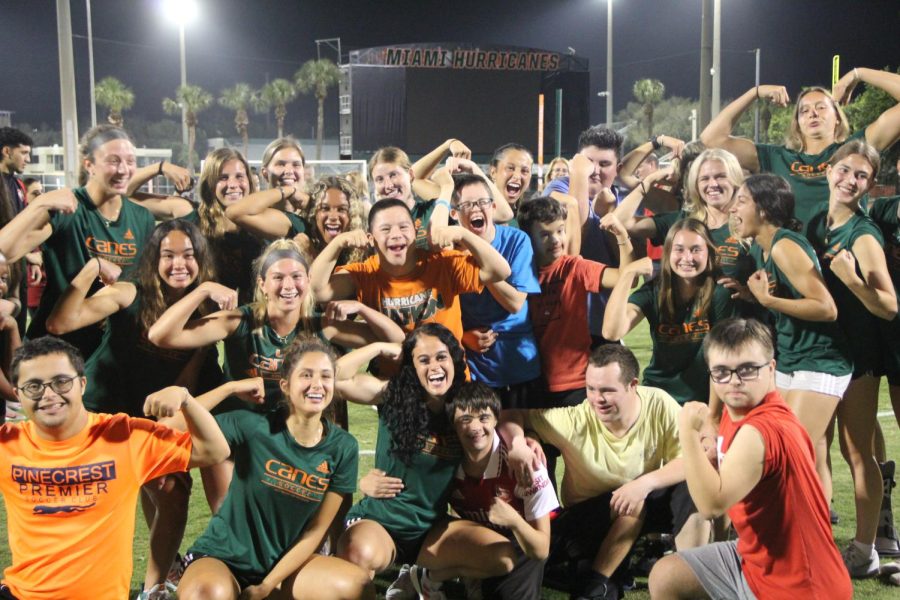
257	213
325	284
533	536
31	227
75	310
425	166
174	330
208	444
163	207
179	176
714	492
816	303
621	316
885	130
626	211
574	222
492	266
503	212
874	289
634	158
380	325
580	169
718	133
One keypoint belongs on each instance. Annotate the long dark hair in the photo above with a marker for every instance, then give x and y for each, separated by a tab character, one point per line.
153	294
774	200
403	403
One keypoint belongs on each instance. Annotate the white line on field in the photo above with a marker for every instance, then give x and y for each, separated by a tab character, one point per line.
367	453
885	414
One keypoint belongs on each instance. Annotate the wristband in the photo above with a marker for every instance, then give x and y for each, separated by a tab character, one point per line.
643	188
441	202
159	170
625	243
99	268
855	74
655	141
757	92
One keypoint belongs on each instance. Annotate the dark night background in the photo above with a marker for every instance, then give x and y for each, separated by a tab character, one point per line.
244	40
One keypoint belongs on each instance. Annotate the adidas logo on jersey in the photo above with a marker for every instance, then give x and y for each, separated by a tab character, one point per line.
323	468
129	235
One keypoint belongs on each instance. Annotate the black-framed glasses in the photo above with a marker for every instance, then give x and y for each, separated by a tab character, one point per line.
743	372
471	205
34	390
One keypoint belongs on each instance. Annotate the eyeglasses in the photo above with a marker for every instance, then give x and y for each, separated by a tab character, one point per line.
743	372
472	205
34	390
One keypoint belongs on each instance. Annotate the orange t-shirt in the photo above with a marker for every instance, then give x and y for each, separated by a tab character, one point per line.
429	294
70	505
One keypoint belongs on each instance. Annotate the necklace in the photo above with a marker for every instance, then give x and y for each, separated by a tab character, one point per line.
313	439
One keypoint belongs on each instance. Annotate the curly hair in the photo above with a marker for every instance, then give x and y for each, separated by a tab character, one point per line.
210	213
152	290
540	210
356	213
403	402
667	279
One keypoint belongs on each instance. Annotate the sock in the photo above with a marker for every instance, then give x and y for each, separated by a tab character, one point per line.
594	583
864	548
428	582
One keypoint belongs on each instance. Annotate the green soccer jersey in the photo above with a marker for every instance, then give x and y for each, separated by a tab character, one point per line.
860	326
806	174
259	352
802	345
426	483
677	365
233	254
298	224
421	214
277	488
79	237
883	211
127	367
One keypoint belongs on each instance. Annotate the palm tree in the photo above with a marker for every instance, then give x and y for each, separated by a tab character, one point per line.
276	94
239	98
649	92
317	76
195	100
115	96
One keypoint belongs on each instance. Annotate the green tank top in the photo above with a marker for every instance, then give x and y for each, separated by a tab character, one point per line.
802	345
79	237
860	327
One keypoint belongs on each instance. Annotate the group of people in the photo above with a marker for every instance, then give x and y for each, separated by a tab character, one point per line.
485	324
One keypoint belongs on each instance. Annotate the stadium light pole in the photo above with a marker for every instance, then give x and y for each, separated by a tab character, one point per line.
609	63
181	12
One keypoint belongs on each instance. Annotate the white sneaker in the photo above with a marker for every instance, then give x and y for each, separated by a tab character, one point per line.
160	591
858	564
425	588
402	588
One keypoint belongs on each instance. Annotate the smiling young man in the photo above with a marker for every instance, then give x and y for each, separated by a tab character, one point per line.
766	481
403	281
70	479
501	348
623	475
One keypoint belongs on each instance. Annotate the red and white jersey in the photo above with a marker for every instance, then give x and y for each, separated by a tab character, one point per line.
471	497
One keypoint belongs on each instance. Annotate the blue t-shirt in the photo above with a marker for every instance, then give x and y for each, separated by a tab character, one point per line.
514	356
560	184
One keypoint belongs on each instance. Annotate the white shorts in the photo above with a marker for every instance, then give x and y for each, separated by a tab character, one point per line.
813	381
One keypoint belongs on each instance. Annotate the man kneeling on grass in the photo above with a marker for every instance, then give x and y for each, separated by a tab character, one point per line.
623	476
70	479
766	481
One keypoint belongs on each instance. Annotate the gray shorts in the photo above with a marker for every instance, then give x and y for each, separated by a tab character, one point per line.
718	569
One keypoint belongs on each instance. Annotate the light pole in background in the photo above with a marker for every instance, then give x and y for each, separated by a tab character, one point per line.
609	63
181	12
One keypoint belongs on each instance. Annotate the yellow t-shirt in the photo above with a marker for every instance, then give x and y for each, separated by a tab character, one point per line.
598	462
70	505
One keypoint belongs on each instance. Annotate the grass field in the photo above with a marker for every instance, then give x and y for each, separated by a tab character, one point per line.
363	425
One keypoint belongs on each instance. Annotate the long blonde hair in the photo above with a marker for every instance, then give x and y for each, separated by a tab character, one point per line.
667	279
277	250
211	215
794	139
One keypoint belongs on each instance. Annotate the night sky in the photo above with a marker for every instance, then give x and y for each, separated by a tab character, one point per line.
250	40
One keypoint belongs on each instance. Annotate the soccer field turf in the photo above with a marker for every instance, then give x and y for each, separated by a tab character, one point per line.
363	424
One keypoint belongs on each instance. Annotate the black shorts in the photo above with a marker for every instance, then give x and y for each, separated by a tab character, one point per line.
541	397
406	549
5	594
522	583
577	532
517	394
